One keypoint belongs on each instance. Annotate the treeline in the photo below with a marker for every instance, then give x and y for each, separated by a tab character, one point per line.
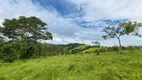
104	49
10	51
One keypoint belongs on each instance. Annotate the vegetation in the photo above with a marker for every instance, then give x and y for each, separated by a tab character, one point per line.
23	34
30	28
125	28
78	49
111	66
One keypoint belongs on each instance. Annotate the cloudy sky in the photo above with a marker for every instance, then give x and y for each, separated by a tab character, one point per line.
77	21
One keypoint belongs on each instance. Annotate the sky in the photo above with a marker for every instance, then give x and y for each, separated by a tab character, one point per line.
77	21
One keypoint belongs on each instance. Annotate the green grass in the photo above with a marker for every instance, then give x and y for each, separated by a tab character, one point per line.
91	49
80	47
111	66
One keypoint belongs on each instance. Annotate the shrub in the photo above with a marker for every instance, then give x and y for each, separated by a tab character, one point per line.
19	50
9	51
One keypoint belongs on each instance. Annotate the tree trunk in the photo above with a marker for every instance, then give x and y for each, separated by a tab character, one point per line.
120	46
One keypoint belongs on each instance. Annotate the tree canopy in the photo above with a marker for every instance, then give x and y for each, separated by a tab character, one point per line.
131	28
25	28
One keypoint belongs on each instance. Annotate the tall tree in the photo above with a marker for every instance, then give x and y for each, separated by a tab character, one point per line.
25	28
25	32
125	28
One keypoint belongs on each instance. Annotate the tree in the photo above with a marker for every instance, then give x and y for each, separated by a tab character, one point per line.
25	28
24	32
97	43
125	28
131	28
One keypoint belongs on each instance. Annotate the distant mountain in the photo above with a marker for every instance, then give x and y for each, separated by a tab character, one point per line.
71	44
68	46
73	47
74	44
50	44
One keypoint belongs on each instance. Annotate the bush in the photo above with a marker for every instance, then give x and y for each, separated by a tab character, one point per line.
9	51
19	50
28	49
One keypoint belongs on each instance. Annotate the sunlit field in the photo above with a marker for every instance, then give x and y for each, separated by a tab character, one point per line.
110	66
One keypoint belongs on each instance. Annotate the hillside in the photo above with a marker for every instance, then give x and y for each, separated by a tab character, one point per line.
80	47
111	66
73	46
92	49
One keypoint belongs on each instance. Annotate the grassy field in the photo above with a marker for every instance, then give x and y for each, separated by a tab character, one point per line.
91	49
111	66
80	47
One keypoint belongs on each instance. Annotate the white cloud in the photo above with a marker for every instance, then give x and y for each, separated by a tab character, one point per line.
111	9
65	30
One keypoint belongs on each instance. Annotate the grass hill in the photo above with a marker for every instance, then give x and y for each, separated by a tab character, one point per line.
111	66
73	45
80	47
92	49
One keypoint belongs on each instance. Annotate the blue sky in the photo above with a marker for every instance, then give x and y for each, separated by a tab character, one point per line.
77	21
